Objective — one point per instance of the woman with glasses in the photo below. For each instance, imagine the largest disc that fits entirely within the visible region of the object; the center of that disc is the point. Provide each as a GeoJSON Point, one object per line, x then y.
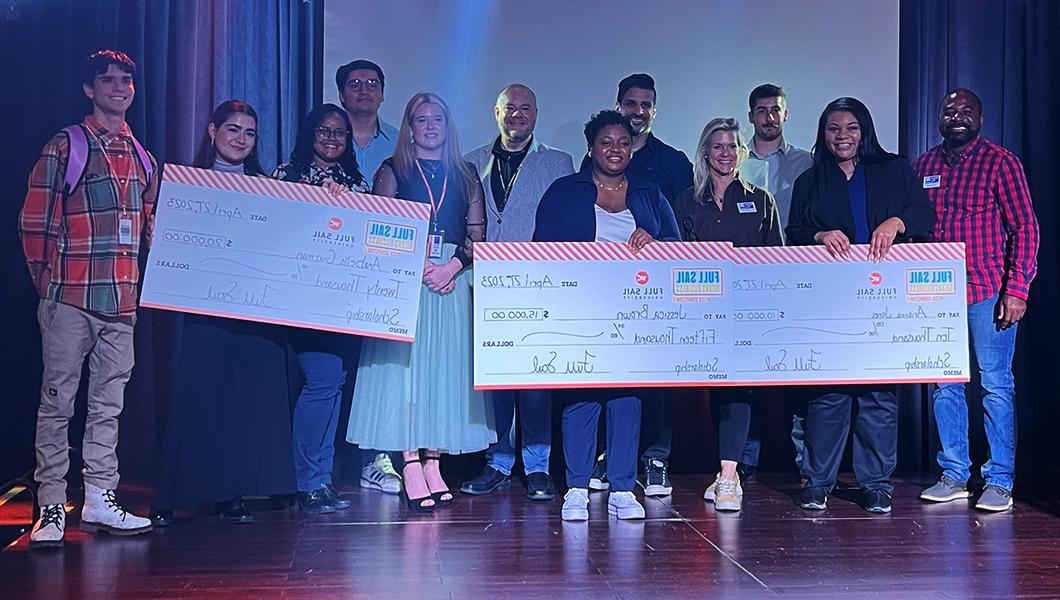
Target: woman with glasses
{"type": "Point", "coordinates": [418, 398]}
{"type": "Point", "coordinates": [323, 156]}
{"type": "Point", "coordinates": [228, 425]}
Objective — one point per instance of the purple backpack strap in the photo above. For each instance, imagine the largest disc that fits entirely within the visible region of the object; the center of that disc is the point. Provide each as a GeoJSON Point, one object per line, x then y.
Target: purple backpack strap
{"type": "Point", "coordinates": [77, 159]}
{"type": "Point", "coordinates": [145, 160]}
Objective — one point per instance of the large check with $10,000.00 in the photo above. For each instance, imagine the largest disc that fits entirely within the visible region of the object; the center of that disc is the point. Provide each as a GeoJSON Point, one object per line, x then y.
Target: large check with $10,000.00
{"type": "Point", "coordinates": [257, 249]}
{"type": "Point", "coordinates": [555, 315]}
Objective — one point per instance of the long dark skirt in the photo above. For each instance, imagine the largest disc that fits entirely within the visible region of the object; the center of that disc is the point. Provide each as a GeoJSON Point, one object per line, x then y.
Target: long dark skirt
{"type": "Point", "coordinates": [228, 432]}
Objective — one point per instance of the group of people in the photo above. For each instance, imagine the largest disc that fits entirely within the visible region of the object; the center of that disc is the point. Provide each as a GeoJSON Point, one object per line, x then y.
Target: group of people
{"type": "Point", "coordinates": [231, 431]}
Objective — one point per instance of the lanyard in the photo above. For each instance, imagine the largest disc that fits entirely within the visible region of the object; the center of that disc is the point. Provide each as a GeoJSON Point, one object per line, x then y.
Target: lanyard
{"type": "Point", "coordinates": [511, 184]}
{"type": "Point", "coordinates": [123, 182]}
{"type": "Point", "coordinates": [430, 194]}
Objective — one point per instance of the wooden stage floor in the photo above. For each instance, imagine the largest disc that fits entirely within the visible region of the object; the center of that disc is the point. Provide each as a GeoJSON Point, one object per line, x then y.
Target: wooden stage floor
{"type": "Point", "coordinates": [502, 546]}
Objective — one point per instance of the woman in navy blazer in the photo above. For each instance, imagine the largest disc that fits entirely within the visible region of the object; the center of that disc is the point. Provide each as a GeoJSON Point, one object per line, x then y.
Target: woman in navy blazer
{"type": "Point", "coordinates": [855, 193]}
{"type": "Point", "coordinates": [603, 203]}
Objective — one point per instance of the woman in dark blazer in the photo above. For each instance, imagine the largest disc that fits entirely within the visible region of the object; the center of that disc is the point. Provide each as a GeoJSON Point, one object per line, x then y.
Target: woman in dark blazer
{"type": "Point", "coordinates": [855, 193]}
{"type": "Point", "coordinates": [604, 203]}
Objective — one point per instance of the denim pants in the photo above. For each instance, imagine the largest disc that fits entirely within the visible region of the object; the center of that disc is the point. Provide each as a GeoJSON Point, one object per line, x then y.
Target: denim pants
{"type": "Point", "coordinates": [993, 350]}
{"type": "Point", "coordinates": [535, 416]}
{"type": "Point", "coordinates": [316, 413]}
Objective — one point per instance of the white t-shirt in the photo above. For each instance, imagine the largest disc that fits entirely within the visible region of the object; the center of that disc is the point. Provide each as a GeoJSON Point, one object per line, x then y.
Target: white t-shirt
{"type": "Point", "coordinates": [614, 227]}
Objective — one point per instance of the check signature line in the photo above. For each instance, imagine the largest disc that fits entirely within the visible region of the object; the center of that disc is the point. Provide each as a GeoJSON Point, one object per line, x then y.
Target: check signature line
{"type": "Point", "coordinates": [767, 332]}
{"type": "Point", "coordinates": [236, 262]}
{"type": "Point", "coordinates": [560, 333]}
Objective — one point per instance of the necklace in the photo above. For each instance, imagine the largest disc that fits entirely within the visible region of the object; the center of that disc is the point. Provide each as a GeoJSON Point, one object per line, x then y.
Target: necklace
{"type": "Point", "coordinates": [621, 186]}
{"type": "Point", "coordinates": [431, 167]}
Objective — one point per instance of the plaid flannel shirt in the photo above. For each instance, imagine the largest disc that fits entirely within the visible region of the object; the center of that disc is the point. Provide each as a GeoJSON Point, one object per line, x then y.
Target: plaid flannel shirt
{"type": "Point", "coordinates": [72, 243]}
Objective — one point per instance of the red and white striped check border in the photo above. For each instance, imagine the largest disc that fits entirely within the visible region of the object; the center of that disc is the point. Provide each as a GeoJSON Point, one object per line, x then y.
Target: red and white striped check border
{"type": "Point", "coordinates": [266, 186]}
{"type": "Point", "coordinates": [859, 253]}
{"type": "Point", "coordinates": [590, 251]}
{"type": "Point", "coordinates": [617, 251]}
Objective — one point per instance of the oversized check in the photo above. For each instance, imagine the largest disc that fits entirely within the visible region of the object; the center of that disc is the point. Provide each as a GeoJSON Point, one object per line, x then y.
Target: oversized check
{"type": "Point", "coordinates": [257, 249]}
{"type": "Point", "coordinates": [686, 314]}
{"type": "Point", "coordinates": [597, 315]}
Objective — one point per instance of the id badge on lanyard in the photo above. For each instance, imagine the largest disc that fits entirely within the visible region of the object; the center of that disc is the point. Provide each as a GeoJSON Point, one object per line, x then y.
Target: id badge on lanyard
{"type": "Point", "coordinates": [437, 236]}
{"type": "Point", "coordinates": [125, 226]}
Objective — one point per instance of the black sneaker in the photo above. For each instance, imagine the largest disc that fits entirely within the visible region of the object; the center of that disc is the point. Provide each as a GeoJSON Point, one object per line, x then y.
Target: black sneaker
{"type": "Point", "coordinates": [656, 480]}
{"type": "Point", "coordinates": [539, 487]}
{"type": "Point", "coordinates": [813, 498]}
{"type": "Point", "coordinates": [876, 501]}
{"type": "Point", "coordinates": [235, 511]}
{"type": "Point", "coordinates": [598, 478]}
{"type": "Point", "coordinates": [315, 501]}
{"type": "Point", "coordinates": [336, 501]}
{"type": "Point", "coordinates": [746, 472]}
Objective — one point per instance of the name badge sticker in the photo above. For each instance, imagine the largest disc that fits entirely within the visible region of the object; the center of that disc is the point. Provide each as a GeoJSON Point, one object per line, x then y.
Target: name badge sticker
{"type": "Point", "coordinates": [932, 182]}
{"type": "Point", "coordinates": [125, 231]}
{"type": "Point", "coordinates": [745, 207]}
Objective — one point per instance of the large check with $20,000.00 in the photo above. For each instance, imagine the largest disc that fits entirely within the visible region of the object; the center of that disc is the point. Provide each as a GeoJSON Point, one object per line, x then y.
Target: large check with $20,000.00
{"type": "Point", "coordinates": [257, 249]}
{"type": "Point", "coordinates": [557, 315]}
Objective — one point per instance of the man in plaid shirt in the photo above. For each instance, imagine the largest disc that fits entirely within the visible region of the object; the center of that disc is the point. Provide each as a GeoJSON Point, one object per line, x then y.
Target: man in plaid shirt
{"type": "Point", "coordinates": [982, 199]}
{"type": "Point", "coordinates": [82, 247]}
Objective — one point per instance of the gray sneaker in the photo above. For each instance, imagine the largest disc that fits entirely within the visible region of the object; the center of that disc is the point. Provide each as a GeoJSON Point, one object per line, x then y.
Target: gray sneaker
{"type": "Point", "coordinates": [945, 490]}
{"type": "Point", "coordinates": [994, 499]}
{"type": "Point", "coordinates": [729, 494]}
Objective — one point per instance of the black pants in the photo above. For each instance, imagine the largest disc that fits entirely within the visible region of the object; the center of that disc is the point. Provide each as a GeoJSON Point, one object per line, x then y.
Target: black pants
{"type": "Point", "coordinates": [733, 409]}
{"type": "Point", "coordinates": [875, 436]}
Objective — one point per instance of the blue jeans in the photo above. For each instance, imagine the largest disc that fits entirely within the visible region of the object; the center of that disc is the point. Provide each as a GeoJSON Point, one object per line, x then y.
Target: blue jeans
{"type": "Point", "coordinates": [316, 413]}
{"type": "Point", "coordinates": [993, 350]}
{"type": "Point", "coordinates": [581, 415]}
{"type": "Point", "coordinates": [535, 415]}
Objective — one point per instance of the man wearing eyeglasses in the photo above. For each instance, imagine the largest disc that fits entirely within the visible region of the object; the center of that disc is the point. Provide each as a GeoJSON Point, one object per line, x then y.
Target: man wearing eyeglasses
{"type": "Point", "coordinates": [361, 84]}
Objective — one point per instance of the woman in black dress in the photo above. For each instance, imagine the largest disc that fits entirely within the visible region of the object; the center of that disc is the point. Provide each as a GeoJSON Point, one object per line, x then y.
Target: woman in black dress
{"type": "Point", "coordinates": [228, 431]}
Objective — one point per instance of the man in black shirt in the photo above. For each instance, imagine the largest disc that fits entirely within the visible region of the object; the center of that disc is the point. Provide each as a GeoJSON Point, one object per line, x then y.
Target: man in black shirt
{"type": "Point", "coordinates": [653, 159]}
{"type": "Point", "coordinates": [670, 169]}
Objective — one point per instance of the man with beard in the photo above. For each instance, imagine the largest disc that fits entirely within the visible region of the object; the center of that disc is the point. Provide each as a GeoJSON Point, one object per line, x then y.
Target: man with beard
{"type": "Point", "coordinates": [982, 199]}
{"type": "Point", "coordinates": [662, 164]}
{"type": "Point", "coordinates": [515, 170]}
{"type": "Point", "coordinates": [773, 164]}
{"type": "Point", "coordinates": [361, 85]}
{"type": "Point", "coordinates": [670, 169]}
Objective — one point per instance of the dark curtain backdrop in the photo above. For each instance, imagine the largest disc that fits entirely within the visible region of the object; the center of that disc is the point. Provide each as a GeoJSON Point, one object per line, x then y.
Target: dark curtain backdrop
{"type": "Point", "coordinates": [1008, 52]}
{"type": "Point", "coordinates": [191, 55]}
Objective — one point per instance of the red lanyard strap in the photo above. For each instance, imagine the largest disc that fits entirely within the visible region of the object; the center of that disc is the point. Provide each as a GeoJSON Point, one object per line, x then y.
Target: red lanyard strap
{"type": "Point", "coordinates": [430, 194]}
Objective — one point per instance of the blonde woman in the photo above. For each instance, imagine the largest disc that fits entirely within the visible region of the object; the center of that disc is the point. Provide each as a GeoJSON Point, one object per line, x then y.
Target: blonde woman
{"type": "Point", "coordinates": [418, 397]}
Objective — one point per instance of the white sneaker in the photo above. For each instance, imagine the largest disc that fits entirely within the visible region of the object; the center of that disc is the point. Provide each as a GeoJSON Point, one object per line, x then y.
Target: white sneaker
{"type": "Point", "coordinates": [102, 512]}
{"type": "Point", "coordinates": [576, 505]}
{"type": "Point", "coordinates": [624, 505]}
{"type": "Point", "coordinates": [711, 493]}
{"type": "Point", "coordinates": [380, 475]}
{"type": "Point", "coordinates": [49, 528]}
{"type": "Point", "coordinates": [729, 493]}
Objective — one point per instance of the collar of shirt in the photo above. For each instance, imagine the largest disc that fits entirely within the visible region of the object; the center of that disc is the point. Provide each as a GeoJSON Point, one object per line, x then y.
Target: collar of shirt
{"type": "Point", "coordinates": [102, 133]}
{"type": "Point", "coordinates": [782, 149]}
{"type": "Point", "coordinates": [499, 151]}
{"type": "Point", "coordinates": [969, 151]}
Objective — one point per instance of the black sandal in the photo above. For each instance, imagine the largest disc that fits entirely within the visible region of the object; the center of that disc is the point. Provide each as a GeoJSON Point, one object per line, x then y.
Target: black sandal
{"type": "Point", "coordinates": [417, 504]}
{"type": "Point", "coordinates": [439, 497]}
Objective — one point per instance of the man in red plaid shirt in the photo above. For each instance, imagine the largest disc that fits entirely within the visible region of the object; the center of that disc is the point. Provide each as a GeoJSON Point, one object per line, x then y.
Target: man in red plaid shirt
{"type": "Point", "coordinates": [82, 245]}
{"type": "Point", "coordinates": [982, 199]}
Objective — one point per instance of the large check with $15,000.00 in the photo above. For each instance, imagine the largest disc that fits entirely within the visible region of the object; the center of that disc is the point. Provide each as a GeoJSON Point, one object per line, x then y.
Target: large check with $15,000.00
{"type": "Point", "coordinates": [257, 249]}
{"type": "Point", "coordinates": [555, 315]}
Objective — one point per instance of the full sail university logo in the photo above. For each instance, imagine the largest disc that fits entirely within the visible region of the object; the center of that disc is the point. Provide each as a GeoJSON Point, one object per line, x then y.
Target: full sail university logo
{"type": "Point", "coordinates": [697, 282]}
{"type": "Point", "coordinates": [390, 236]}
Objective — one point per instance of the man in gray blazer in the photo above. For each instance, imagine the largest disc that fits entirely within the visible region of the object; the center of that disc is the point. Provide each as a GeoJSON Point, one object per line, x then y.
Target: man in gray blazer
{"type": "Point", "coordinates": [515, 170]}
